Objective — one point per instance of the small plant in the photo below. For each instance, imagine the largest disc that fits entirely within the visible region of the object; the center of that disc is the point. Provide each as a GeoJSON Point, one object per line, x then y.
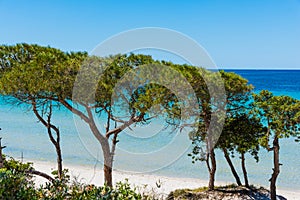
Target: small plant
{"type": "Point", "coordinates": [124, 191]}
{"type": "Point", "coordinates": [63, 189]}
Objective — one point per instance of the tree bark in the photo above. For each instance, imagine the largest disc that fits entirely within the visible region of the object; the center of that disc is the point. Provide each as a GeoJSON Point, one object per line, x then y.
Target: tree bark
{"type": "Point", "coordinates": [235, 174]}
{"type": "Point", "coordinates": [276, 169]}
{"type": "Point", "coordinates": [212, 171]}
{"type": "Point", "coordinates": [59, 160]}
{"type": "Point", "coordinates": [244, 170]}
{"type": "Point", "coordinates": [108, 164]}
{"type": "Point", "coordinates": [107, 156]}
{"type": "Point", "coordinates": [108, 175]}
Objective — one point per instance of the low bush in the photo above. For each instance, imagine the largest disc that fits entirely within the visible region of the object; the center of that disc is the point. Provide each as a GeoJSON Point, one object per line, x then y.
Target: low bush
{"type": "Point", "coordinates": [16, 183]}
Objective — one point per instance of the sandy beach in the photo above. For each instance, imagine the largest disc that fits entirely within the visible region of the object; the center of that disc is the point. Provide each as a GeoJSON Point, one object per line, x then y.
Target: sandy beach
{"type": "Point", "coordinates": [145, 182]}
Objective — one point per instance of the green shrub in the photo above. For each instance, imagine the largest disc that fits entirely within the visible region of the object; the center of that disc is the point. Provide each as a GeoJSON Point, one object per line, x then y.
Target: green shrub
{"type": "Point", "coordinates": [15, 165]}
{"type": "Point", "coordinates": [124, 191]}
{"type": "Point", "coordinates": [62, 189]}
{"type": "Point", "coordinates": [14, 183]}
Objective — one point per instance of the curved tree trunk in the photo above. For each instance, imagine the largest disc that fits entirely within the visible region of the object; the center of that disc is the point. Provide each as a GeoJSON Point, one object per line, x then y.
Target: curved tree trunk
{"type": "Point", "coordinates": [244, 170]}
{"type": "Point", "coordinates": [56, 143]}
{"type": "Point", "coordinates": [276, 169]}
{"type": "Point", "coordinates": [50, 127]}
{"type": "Point", "coordinates": [212, 170]}
{"type": "Point", "coordinates": [235, 174]}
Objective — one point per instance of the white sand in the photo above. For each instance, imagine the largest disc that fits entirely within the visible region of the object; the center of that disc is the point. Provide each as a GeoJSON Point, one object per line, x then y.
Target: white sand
{"type": "Point", "coordinates": [145, 182]}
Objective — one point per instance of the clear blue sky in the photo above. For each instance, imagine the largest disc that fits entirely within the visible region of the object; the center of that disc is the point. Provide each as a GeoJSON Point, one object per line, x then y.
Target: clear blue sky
{"type": "Point", "coordinates": [236, 33]}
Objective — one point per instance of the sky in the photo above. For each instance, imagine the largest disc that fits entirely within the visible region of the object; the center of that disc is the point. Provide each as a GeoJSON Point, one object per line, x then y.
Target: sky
{"type": "Point", "coordinates": [237, 34]}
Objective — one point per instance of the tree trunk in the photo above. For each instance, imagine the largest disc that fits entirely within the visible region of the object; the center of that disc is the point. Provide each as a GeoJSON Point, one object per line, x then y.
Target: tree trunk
{"type": "Point", "coordinates": [108, 175]}
{"type": "Point", "coordinates": [108, 163]}
{"type": "Point", "coordinates": [107, 168]}
{"type": "Point", "coordinates": [276, 169]}
{"type": "Point", "coordinates": [107, 155]}
{"type": "Point", "coordinates": [59, 160]}
{"type": "Point", "coordinates": [244, 170]}
{"type": "Point", "coordinates": [50, 127]}
{"type": "Point", "coordinates": [212, 171]}
{"type": "Point", "coordinates": [56, 143]}
{"type": "Point", "coordinates": [235, 174]}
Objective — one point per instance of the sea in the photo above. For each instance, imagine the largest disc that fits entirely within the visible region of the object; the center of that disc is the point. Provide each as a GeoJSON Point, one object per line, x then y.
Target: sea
{"type": "Point", "coordinates": [145, 148]}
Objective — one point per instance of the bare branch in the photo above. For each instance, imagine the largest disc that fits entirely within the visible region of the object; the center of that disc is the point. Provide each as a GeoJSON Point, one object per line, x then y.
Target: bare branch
{"type": "Point", "coordinates": [41, 174]}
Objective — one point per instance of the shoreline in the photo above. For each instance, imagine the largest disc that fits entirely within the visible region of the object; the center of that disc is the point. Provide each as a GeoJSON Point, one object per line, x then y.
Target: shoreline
{"type": "Point", "coordinates": [161, 185]}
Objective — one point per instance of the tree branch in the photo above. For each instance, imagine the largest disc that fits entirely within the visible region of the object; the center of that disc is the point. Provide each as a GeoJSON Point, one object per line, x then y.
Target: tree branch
{"type": "Point", "coordinates": [41, 174]}
{"type": "Point", "coordinates": [125, 125]}
{"type": "Point", "coordinates": [46, 124]}
{"type": "Point", "coordinates": [93, 126]}
{"type": "Point", "coordinates": [75, 111]}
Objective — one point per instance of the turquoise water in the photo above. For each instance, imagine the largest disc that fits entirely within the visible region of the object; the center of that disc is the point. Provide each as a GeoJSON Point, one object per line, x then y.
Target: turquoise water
{"type": "Point", "coordinates": [22, 134]}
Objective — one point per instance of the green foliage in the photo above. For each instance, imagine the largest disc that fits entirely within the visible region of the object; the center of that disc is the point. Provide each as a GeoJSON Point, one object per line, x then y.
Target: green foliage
{"type": "Point", "coordinates": [124, 191]}
{"type": "Point", "coordinates": [16, 166]}
{"type": "Point", "coordinates": [280, 114]}
{"type": "Point", "coordinates": [34, 71]}
{"type": "Point", "coordinates": [44, 74]}
{"type": "Point", "coordinates": [242, 133]}
{"type": "Point", "coordinates": [238, 93]}
{"type": "Point", "coordinates": [16, 185]}
{"type": "Point", "coordinates": [63, 189]}
{"type": "Point", "coordinates": [14, 182]}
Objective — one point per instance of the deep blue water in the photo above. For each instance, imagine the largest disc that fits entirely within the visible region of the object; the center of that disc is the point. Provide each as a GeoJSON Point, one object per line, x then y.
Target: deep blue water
{"type": "Point", "coordinates": [22, 133]}
{"type": "Point", "coordinates": [280, 82]}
